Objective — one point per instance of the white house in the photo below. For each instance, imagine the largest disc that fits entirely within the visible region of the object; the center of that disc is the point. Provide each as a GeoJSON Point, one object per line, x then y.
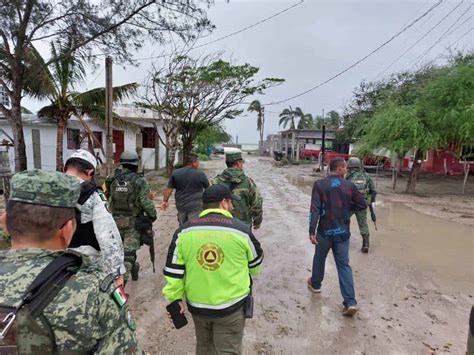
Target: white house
{"type": "Point", "coordinates": [40, 138]}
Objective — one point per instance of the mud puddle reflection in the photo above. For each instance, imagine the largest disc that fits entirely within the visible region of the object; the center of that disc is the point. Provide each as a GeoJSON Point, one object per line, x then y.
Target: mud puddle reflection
{"type": "Point", "coordinates": [439, 247]}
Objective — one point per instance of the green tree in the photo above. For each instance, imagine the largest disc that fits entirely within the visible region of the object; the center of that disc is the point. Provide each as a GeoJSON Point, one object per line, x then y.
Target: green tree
{"type": "Point", "coordinates": [333, 120]}
{"type": "Point", "coordinates": [287, 116]}
{"type": "Point", "coordinates": [256, 106]}
{"type": "Point", "coordinates": [117, 27]}
{"type": "Point", "coordinates": [305, 119]}
{"type": "Point", "coordinates": [210, 136]}
{"type": "Point", "coordinates": [57, 85]}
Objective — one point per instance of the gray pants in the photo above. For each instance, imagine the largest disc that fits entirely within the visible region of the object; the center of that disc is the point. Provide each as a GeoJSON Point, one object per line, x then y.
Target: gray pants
{"type": "Point", "coordinates": [183, 217]}
{"type": "Point", "coordinates": [219, 335]}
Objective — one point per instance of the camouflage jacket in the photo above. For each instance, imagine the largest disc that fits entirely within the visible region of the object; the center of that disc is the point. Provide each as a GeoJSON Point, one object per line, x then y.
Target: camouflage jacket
{"type": "Point", "coordinates": [96, 209]}
{"type": "Point", "coordinates": [83, 317]}
{"type": "Point", "coordinates": [363, 182]}
{"type": "Point", "coordinates": [142, 202]}
{"type": "Point", "coordinates": [249, 208]}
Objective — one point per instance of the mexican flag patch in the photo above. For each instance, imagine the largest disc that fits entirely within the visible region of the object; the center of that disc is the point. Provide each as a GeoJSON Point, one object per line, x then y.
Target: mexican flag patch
{"type": "Point", "coordinates": [119, 296]}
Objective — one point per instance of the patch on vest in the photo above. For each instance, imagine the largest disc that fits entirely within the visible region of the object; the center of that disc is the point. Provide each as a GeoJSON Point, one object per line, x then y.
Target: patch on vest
{"type": "Point", "coordinates": [210, 256]}
{"type": "Point", "coordinates": [129, 318]}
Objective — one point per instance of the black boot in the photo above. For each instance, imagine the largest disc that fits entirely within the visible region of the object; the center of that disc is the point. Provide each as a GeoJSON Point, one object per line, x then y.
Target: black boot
{"type": "Point", "coordinates": [365, 244]}
{"type": "Point", "coordinates": [134, 271]}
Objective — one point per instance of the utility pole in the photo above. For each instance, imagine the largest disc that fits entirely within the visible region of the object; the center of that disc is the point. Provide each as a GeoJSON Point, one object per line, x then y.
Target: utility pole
{"type": "Point", "coordinates": [109, 154]}
{"type": "Point", "coordinates": [323, 144]}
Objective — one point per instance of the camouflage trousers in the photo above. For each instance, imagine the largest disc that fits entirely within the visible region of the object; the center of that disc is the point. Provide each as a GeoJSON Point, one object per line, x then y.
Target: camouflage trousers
{"type": "Point", "coordinates": [131, 243]}
{"type": "Point", "coordinates": [361, 217]}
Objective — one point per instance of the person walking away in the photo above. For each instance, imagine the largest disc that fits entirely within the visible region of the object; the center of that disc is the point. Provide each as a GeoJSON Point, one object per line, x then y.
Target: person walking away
{"type": "Point", "coordinates": [129, 197]}
{"type": "Point", "coordinates": [333, 200]}
{"type": "Point", "coordinates": [189, 183]}
{"type": "Point", "coordinates": [55, 301]}
{"type": "Point", "coordinates": [96, 235]}
{"type": "Point", "coordinates": [366, 187]}
{"type": "Point", "coordinates": [249, 208]}
{"type": "Point", "coordinates": [209, 262]}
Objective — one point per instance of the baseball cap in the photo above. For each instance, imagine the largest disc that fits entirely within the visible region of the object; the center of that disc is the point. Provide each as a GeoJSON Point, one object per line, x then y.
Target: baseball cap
{"type": "Point", "coordinates": [85, 156]}
{"type": "Point", "coordinates": [217, 193]}
{"type": "Point", "coordinates": [47, 188]}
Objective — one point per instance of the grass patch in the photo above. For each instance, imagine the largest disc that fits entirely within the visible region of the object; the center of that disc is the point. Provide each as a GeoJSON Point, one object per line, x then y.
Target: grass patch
{"type": "Point", "coordinates": [4, 240]}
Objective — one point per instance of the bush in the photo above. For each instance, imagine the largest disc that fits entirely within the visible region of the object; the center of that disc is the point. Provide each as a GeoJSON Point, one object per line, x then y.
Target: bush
{"type": "Point", "coordinates": [203, 157]}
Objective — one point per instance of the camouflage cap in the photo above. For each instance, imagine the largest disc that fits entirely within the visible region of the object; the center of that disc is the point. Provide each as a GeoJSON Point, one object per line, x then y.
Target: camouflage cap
{"type": "Point", "coordinates": [48, 188]}
{"type": "Point", "coordinates": [231, 158]}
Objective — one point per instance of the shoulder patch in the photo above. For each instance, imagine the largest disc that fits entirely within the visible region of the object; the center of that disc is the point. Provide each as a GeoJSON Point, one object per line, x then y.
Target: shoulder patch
{"type": "Point", "coordinates": [119, 296]}
{"type": "Point", "coordinates": [106, 282]}
{"type": "Point", "coordinates": [102, 196]}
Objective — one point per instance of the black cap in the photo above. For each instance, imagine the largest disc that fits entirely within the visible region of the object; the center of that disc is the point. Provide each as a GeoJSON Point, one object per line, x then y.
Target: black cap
{"type": "Point", "coordinates": [217, 193]}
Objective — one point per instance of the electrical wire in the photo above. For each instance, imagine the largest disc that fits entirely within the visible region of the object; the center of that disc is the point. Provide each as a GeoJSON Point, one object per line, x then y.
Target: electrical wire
{"type": "Point", "coordinates": [96, 77]}
{"type": "Point", "coordinates": [419, 58]}
{"type": "Point", "coordinates": [418, 41]}
{"type": "Point", "coordinates": [404, 29]}
{"type": "Point", "coordinates": [230, 34]}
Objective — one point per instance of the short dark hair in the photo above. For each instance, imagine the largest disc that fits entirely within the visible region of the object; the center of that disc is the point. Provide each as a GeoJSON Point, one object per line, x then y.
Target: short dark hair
{"type": "Point", "coordinates": [36, 222]}
{"type": "Point", "coordinates": [231, 165]}
{"type": "Point", "coordinates": [336, 163]}
{"type": "Point", "coordinates": [210, 205]}
{"type": "Point", "coordinates": [79, 164]}
{"type": "Point", "coordinates": [131, 167]}
{"type": "Point", "coordinates": [192, 158]}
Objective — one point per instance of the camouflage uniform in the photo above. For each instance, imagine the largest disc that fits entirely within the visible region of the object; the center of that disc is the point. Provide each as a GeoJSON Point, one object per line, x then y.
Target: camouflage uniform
{"type": "Point", "coordinates": [249, 208]}
{"type": "Point", "coordinates": [82, 317]}
{"type": "Point", "coordinates": [110, 257]}
{"type": "Point", "coordinates": [125, 219]}
{"type": "Point", "coordinates": [366, 187]}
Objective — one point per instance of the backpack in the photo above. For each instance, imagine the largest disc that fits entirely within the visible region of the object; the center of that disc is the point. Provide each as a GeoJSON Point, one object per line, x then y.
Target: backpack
{"type": "Point", "coordinates": [23, 327]}
{"type": "Point", "coordinates": [123, 193]}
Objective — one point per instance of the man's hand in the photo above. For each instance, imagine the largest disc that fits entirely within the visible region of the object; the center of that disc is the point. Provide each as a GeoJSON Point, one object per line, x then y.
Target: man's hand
{"type": "Point", "coordinates": [164, 205]}
{"type": "Point", "coordinates": [182, 309]}
{"type": "Point", "coordinates": [312, 238]}
{"type": "Point", "coordinates": [119, 281]}
{"type": "Point", "coordinates": [151, 195]}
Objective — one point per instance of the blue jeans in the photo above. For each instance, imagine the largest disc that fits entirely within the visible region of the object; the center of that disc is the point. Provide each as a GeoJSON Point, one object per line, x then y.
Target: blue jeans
{"type": "Point", "coordinates": [340, 250]}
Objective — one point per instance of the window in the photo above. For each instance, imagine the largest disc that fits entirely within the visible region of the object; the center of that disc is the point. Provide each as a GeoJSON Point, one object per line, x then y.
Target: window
{"type": "Point", "coordinates": [98, 136]}
{"type": "Point", "coordinates": [73, 138]}
{"type": "Point", "coordinates": [4, 99]}
{"type": "Point", "coordinates": [148, 137]}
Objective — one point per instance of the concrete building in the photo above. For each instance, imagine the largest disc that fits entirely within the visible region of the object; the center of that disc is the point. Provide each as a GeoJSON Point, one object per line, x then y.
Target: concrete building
{"type": "Point", "coordinates": [40, 138]}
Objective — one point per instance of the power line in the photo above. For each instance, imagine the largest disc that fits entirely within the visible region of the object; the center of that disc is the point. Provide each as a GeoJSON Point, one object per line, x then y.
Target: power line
{"type": "Point", "coordinates": [442, 36]}
{"type": "Point", "coordinates": [97, 76]}
{"type": "Point", "coordinates": [464, 35]}
{"type": "Point", "coordinates": [230, 34]}
{"type": "Point", "coordinates": [360, 60]}
{"type": "Point", "coordinates": [458, 26]}
{"type": "Point", "coordinates": [418, 41]}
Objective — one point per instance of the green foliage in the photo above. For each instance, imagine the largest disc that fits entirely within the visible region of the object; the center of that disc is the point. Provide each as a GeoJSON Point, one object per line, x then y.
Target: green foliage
{"type": "Point", "coordinates": [210, 136]}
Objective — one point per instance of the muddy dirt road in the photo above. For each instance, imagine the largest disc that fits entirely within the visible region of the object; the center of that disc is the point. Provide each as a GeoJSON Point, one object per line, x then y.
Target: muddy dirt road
{"type": "Point", "coordinates": [414, 289]}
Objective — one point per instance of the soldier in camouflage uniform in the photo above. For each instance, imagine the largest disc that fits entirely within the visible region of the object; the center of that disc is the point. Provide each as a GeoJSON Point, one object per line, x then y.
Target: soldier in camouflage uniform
{"type": "Point", "coordinates": [366, 187]}
{"type": "Point", "coordinates": [81, 317]}
{"type": "Point", "coordinates": [249, 208]}
{"type": "Point", "coordinates": [129, 197]}
{"type": "Point", "coordinates": [96, 235]}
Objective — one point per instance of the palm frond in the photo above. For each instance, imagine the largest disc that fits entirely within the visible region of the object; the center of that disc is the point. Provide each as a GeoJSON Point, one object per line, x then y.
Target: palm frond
{"type": "Point", "coordinates": [96, 97]}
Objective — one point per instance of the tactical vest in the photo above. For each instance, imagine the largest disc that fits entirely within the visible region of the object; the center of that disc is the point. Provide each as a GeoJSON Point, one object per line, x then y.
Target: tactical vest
{"type": "Point", "coordinates": [85, 234]}
{"type": "Point", "coordinates": [23, 327]}
{"type": "Point", "coordinates": [360, 181]}
{"type": "Point", "coordinates": [123, 194]}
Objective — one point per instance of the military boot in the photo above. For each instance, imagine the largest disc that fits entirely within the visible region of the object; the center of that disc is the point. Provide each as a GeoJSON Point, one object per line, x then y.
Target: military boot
{"type": "Point", "coordinates": [134, 271]}
{"type": "Point", "coordinates": [365, 244]}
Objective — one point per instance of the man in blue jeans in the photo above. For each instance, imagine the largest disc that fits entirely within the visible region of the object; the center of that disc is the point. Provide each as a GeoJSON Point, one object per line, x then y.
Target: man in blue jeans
{"type": "Point", "coordinates": [333, 201]}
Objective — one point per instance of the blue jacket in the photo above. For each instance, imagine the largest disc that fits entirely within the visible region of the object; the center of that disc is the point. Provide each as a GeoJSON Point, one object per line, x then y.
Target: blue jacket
{"type": "Point", "coordinates": [333, 201]}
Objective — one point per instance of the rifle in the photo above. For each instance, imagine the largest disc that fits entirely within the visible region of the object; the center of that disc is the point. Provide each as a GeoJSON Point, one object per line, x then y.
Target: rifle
{"type": "Point", "coordinates": [144, 227]}
{"type": "Point", "coordinates": [372, 215]}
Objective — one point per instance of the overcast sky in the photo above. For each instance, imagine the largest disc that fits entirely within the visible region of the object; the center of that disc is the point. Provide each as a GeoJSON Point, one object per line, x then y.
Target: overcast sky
{"type": "Point", "coordinates": [312, 42]}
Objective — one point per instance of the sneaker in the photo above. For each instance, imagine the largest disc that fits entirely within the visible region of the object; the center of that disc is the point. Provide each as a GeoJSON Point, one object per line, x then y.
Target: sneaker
{"type": "Point", "coordinates": [349, 311]}
{"type": "Point", "coordinates": [311, 288]}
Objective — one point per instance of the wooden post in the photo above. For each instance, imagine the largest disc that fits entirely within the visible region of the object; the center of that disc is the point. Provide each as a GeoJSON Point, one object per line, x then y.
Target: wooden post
{"type": "Point", "coordinates": [109, 154]}
{"type": "Point", "coordinates": [36, 141]}
{"type": "Point", "coordinates": [157, 147]}
{"type": "Point", "coordinates": [292, 145]}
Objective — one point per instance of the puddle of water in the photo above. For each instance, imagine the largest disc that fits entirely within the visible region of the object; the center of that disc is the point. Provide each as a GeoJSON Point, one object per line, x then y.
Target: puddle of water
{"type": "Point", "coordinates": [442, 248]}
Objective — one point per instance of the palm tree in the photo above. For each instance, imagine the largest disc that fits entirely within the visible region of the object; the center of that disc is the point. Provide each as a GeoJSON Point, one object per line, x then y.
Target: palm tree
{"type": "Point", "coordinates": [306, 119]}
{"type": "Point", "coordinates": [58, 86]}
{"type": "Point", "coordinates": [333, 119]}
{"type": "Point", "coordinates": [256, 106]}
{"type": "Point", "coordinates": [287, 116]}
